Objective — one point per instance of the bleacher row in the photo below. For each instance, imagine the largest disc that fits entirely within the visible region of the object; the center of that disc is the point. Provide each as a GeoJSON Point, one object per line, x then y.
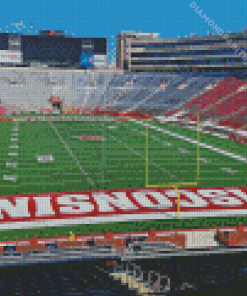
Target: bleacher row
{"type": "Point", "coordinates": [201, 273]}
{"type": "Point", "coordinates": [217, 98]}
{"type": "Point", "coordinates": [225, 103]}
{"type": "Point", "coordinates": [109, 239]}
{"type": "Point", "coordinates": [62, 279]}
{"type": "Point", "coordinates": [91, 277]}
{"type": "Point", "coordinates": [222, 100]}
{"type": "Point", "coordinates": [30, 90]}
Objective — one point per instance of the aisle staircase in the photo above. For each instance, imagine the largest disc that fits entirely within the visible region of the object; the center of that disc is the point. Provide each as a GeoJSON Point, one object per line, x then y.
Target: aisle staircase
{"type": "Point", "coordinates": [133, 276]}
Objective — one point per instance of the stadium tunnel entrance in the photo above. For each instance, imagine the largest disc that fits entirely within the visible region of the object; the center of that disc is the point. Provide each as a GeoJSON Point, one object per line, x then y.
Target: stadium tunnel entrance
{"type": "Point", "coordinates": [56, 104]}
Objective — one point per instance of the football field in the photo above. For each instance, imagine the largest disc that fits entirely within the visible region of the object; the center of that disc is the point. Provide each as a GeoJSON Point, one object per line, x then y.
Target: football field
{"type": "Point", "coordinates": [100, 153]}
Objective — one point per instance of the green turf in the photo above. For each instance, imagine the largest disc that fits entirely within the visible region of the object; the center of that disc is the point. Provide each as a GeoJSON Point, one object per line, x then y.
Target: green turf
{"type": "Point", "coordinates": [119, 227]}
{"type": "Point", "coordinates": [117, 163]}
{"type": "Point", "coordinates": [225, 144]}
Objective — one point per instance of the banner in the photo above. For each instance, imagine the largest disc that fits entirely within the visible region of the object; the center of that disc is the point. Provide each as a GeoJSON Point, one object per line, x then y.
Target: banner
{"type": "Point", "coordinates": [55, 99]}
{"type": "Point", "coordinates": [54, 209]}
{"type": "Point", "coordinates": [87, 60]}
{"type": "Point", "coordinates": [99, 61]}
{"type": "Point", "coordinates": [11, 56]}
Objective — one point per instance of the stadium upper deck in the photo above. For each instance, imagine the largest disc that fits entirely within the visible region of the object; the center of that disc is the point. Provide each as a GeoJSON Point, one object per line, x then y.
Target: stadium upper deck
{"type": "Point", "coordinates": [138, 52]}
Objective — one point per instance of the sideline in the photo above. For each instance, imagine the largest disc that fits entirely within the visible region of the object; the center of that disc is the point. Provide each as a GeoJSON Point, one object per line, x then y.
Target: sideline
{"type": "Point", "coordinates": [91, 182]}
{"type": "Point", "coordinates": [203, 145]}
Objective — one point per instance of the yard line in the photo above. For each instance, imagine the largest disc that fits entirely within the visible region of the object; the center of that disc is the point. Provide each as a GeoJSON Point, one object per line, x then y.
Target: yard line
{"type": "Point", "coordinates": [11, 164]}
{"type": "Point", "coordinates": [13, 154]}
{"type": "Point", "coordinates": [205, 160]}
{"type": "Point", "coordinates": [183, 150]}
{"type": "Point", "coordinates": [203, 145]}
{"type": "Point", "coordinates": [91, 182]}
{"type": "Point", "coordinates": [229, 170]}
{"type": "Point", "coordinates": [162, 143]}
{"type": "Point", "coordinates": [164, 171]}
{"type": "Point", "coordinates": [10, 178]}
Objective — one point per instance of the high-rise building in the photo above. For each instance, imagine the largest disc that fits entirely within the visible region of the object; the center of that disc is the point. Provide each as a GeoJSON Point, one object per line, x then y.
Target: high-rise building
{"type": "Point", "coordinates": [212, 53]}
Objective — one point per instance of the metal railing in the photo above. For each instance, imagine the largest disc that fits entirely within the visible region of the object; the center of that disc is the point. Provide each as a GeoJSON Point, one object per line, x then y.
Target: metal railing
{"type": "Point", "coordinates": [155, 282]}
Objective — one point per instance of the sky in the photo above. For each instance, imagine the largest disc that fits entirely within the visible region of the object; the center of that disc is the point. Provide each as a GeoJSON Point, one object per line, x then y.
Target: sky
{"type": "Point", "coordinates": [106, 18]}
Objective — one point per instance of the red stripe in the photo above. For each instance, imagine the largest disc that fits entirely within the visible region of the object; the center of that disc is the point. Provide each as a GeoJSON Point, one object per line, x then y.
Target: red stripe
{"type": "Point", "coordinates": [86, 199]}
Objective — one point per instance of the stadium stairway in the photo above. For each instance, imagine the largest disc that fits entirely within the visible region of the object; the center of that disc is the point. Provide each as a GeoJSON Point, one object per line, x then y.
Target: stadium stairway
{"type": "Point", "coordinates": [132, 283]}
{"type": "Point", "coordinates": [199, 272]}
{"type": "Point", "coordinates": [61, 279]}
{"type": "Point", "coordinates": [131, 274]}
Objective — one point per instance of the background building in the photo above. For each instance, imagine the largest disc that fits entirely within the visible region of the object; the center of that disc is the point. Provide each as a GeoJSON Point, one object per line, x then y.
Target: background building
{"type": "Point", "coordinates": [52, 49]}
{"type": "Point", "coordinates": [10, 49]}
{"type": "Point", "coordinates": [204, 53]}
{"type": "Point", "coordinates": [122, 39]}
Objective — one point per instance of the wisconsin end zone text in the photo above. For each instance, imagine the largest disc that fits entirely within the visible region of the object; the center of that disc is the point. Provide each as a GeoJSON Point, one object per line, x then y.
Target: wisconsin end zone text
{"type": "Point", "coordinates": [97, 207]}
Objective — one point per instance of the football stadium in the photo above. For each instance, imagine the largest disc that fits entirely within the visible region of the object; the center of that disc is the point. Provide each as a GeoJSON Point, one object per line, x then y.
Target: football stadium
{"type": "Point", "coordinates": [123, 154]}
{"type": "Point", "coordinates": [114, 166]}
{"type": "Point", "coordinates": [95, 132]}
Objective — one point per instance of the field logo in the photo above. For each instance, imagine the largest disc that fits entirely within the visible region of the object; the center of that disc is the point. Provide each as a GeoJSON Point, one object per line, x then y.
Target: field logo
{"type": "Point", "coordinates": [114, 205]}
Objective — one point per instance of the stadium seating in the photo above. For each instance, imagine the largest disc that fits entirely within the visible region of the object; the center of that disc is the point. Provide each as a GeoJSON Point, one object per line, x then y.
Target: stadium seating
{"type": "Point", "coordinates": [227, 98]}
{"type": "Point", "coordinates": [223, 88]}
{"type": "Point", "coordinates": [215, 98]}
{"type": "Point", "coordinates": [83, 278]}
{"type": "Point", "coordinates": [119, 90]}
{"type": "Point", "coordinates": [199, 271]}
{"type": "Point", "coordinates": [241, 116]}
